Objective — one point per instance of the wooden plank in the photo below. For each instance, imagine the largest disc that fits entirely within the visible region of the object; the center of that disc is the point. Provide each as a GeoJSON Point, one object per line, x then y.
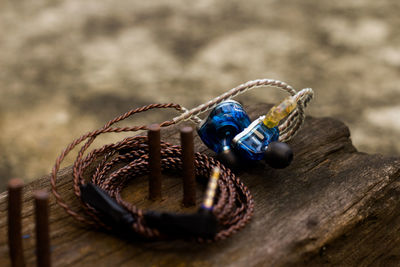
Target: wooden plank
{"type": "Point", "coordinates": [330, 206]}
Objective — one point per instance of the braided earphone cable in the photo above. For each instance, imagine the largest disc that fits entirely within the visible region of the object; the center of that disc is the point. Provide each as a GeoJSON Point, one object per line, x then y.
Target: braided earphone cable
{"type": "Point", "coordinates": [234, 206]}
{"type": "Point", "coordinates": [288, 129]}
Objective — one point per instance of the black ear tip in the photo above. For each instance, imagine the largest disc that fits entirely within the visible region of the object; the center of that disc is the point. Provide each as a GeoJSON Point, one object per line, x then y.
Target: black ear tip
{"type": "Point", "coordinates": [278, 155]}
{"type": "Point", "coordinates": [229, 159]}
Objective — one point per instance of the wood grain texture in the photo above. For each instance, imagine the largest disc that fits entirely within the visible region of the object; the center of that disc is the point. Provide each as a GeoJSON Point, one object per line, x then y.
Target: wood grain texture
{"type": "Point", "coordinates": [333, 205]}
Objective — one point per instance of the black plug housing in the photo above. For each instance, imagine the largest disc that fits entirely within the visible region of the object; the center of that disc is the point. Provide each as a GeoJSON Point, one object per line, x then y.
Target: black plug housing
{"type": "Point", "coordinates": [203, 223]}
{"type": "Point", "coordinates": [114, 214]}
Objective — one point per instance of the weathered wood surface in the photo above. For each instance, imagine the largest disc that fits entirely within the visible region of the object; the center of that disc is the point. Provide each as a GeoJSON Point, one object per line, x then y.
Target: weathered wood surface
{"type": "Point", "coordinates": [333, 205]}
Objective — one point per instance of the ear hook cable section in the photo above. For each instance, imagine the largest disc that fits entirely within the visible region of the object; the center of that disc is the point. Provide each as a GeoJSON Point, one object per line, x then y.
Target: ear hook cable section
{"type": "Point", "coordinates": [234, 204]}
{"type": "Point", "coordinates": [287, 129]}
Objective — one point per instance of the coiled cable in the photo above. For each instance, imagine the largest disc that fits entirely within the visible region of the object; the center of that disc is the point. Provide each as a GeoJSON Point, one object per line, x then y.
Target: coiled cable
{"type": "Point", "coordinates": [234, 203]}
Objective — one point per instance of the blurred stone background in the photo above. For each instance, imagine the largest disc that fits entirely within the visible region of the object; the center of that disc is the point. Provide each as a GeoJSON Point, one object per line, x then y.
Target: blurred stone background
{"type": "Point", "coordinates": [67, 67]}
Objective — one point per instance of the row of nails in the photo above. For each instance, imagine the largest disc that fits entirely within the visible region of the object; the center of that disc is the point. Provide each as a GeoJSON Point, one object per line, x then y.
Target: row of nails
{"type": "Point", "coordinates": [155, 181]}
{"type": "Point", "coordinates": [15, 187]}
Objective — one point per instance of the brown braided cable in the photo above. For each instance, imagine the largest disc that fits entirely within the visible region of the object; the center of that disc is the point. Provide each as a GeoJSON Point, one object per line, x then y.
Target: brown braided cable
{"type": "Point", "coordinates": [234, 205]}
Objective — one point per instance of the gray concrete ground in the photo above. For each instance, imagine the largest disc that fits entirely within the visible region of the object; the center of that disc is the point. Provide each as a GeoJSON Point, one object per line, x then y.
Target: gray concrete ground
{"type": "Point", "coordinates": [68, 66]}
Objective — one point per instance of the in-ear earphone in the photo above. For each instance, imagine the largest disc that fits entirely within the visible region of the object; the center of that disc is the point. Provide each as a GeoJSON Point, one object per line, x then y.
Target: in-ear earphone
{"type": "Point", "coordinates": [227, 131]}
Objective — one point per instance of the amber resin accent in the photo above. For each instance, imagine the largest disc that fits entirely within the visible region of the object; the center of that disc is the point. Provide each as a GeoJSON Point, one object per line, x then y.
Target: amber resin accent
{"type": "Point", "coordinates": [280, 111]}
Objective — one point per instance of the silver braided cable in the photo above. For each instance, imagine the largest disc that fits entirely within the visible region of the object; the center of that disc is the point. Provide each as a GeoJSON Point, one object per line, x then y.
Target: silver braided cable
{"type": "Point", "coordinates": [295, 120]}
{"type": "Point", "coordinates": [193, 118]}
{"type": "Point", "coordinates": [232, 93]}
{"type": "Point", "coordinates": [287, 129]}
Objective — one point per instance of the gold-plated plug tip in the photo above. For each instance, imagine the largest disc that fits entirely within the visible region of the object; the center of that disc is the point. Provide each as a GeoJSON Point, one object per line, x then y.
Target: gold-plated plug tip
{"type": "Point", "coordinates": [211, 188]}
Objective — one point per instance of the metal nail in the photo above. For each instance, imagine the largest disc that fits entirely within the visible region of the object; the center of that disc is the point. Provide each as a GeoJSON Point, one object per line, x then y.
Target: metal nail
{"type": "Point", "coordinates": [154, 139]}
